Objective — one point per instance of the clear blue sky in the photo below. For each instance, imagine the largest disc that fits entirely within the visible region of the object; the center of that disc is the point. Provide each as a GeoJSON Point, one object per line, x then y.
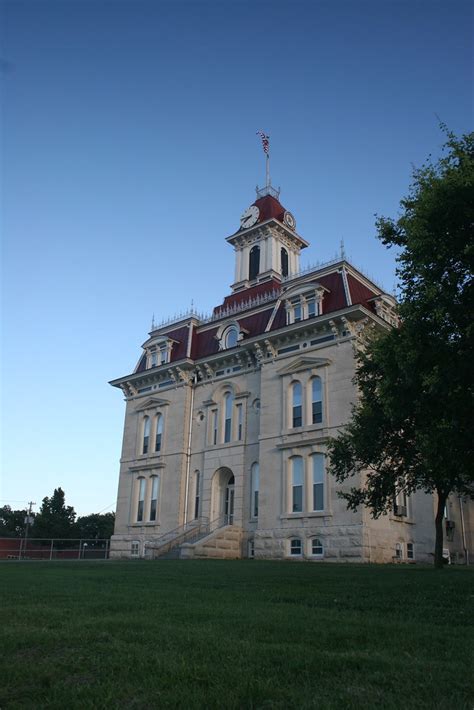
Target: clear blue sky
{"type": "Point", "coordinates": [129, 153]}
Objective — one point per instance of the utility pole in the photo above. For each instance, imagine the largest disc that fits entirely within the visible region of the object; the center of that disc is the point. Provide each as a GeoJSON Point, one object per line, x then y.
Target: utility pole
{"type": "Point", "coordinates": [28, 522]}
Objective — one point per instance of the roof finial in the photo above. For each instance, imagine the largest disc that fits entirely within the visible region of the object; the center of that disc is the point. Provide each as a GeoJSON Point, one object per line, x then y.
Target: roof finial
{"type": "Point", "coordinates": [153, 326]}
{"type": "Point", "coordinates": [343, 251]}
{"type": "Point", "coordinates": [268, 189]}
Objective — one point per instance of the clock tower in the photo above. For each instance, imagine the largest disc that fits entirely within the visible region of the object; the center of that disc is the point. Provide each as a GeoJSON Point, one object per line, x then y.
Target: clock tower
{"type": "Point", "coordinates": [267, 246]}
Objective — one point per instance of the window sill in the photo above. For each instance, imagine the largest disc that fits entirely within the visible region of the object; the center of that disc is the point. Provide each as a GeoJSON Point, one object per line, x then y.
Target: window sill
{"type": "Point", "coordinates": [314, 514]}
{"type": "Point", "coordinates": [144, 525]}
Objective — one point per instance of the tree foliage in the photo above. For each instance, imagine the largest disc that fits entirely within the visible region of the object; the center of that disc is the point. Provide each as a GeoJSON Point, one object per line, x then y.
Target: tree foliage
{"type": "Point", "coordinates": [55, 519]}
{"type": "Point", "coordinates": [412, 426]}
{"type": "Point", "coordinates": [95, 526]}
{"type": "Point", "coordinates": [12, 522]}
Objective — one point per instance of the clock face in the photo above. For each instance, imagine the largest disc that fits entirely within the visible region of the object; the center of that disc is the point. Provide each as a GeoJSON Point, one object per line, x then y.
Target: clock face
{"type": "Point", "coordinates": [289, 220]}
{"type": "Point", "coordinates": [249, 217]}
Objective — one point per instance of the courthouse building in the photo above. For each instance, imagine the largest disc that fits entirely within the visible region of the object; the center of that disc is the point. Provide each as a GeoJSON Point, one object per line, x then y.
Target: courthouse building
{"type": "Point", "coordinates": [228, 417]}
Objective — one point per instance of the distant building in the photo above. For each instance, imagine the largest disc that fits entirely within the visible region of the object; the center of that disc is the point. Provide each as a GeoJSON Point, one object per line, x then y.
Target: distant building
{"type": "Point", "coordinates": [227, 417]}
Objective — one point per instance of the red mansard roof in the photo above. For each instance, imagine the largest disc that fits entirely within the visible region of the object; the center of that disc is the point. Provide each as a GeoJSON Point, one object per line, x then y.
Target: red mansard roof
{"type": "Point", "coordinates": [205, 343]}
{"type": "Point", "coordinates": [359, 292]}
{"type": "Point", "coordinates": [249, 293]}
{"type": "Point", "coordinates": [269, 208]}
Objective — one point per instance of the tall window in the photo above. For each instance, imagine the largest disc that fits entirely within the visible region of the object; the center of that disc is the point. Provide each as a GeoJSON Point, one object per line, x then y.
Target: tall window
{"type": "Point", "coordinates": [311, 303]}
{"type": "Point", "coordinates": [254, 262]}
{"type": "Point", "coordinates": [154, 359]}
{"type": "Point", "coordinates": [255, 475]}
{"type": "Point", "coordinates": [159, 432]}
{"type": "Point", "coordinates": [155, 489]}
{"type": "Point", "coordinates": [317, 400]}
{"type": "Point", "coordinates": [318, 481]}
{"type": "Point", "coordinates": [239, 422]}
{"type": "Point", "coordinates": [297, 485]}
{"type": "Point", "coordinates": [228, 404]}
{"type": "Point", "coordinates": [410, 551]}
{"type": "Point", "coordinates": [297, 409]}
{"type": "Point", "coordinates": [197, 493]}
{"type": "Point", "coordinates": [284, 262]}
{"type": "Point", "coordinates": [141, 500]}
{"type": "Point", "coordinates": [146, 435]}
{"type": "Point", "coordinates": [215, 420]}
{"type": "Point", "coordinates": [297, 312]}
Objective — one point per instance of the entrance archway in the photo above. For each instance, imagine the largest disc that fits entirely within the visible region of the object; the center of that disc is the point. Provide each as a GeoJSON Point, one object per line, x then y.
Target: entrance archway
{"type": "Point", "coordinates": [223, 497]}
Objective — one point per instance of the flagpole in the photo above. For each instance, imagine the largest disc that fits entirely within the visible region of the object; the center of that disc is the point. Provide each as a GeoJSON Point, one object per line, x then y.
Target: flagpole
{"type": "Point", "coordinates": [268, 170]}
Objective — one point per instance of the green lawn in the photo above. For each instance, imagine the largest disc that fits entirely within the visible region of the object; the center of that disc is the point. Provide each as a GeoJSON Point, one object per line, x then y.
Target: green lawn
{"type": "Point", "coordinates": [243, 634]}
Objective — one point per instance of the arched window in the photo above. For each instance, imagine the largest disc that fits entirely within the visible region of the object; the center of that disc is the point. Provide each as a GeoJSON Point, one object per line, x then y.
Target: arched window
{"type": "Point", "coordinates": [284, 262]}
{"type": "Point", "coordinates": [318, 482]}
{"type": "Point", "coordinates": [296, 405]}
{"type": "Point", "coordinates": [254, 262]}
{"type": "Point", "coordinates": [155, 491]}
{"type": "Point", "coordinates": [231, 336]}
{"type": "Point", "coordinates": [297, 484]}
{"type": "Point", "coordinates": [159, 432]}
{"type": "Point", "coordinates": [255, 475]}
{"type": "Point", "coordinates": [228, 405]}
{"type": "Point", "coordinates": [146, 435]}
{"type": "Point", "coordinates": [197, 493]}
{"type": "Point", "coordinates": [296, 546]}
{"type": "Point", "coordinates": [317, 548]}
{"type": "Point", "coordinates": [316, 400]}
{"type": "Point", "coordinates": [141, 500]}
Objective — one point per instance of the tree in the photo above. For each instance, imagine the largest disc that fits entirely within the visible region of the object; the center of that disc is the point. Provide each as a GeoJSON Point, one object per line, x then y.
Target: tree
{"type": "Point", "coordinates": [55, 519]}
{"type": "Point", "coordinates": [12, 522]}
{"type": "Point", "coordinates": [95, 526]}
{"type": "Point", "coordinates": [412, 426]}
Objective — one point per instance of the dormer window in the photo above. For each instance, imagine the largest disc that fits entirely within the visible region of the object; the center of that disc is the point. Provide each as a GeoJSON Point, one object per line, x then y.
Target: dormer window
{"type": "Point", "coordinates": [229, 335]}
{"type": "Point", "coordinates": [158, 351]}
{"type": "Point", "coordinates": [306, 303]}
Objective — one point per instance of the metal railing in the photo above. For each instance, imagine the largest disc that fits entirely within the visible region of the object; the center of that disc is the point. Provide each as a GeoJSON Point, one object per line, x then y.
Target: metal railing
{"type": "Point", "coordinates": [15, 548]}
{"type": "Point", "coordinates": [190, 532]}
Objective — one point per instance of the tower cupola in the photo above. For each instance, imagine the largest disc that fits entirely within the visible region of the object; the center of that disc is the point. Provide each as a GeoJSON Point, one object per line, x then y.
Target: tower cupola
{"type": "Point", "coordinates": [266, 244]}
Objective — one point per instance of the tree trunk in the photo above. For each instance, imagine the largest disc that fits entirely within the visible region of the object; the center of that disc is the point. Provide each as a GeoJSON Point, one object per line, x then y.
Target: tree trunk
{"type": "Point", "coordinates": [438, 555]}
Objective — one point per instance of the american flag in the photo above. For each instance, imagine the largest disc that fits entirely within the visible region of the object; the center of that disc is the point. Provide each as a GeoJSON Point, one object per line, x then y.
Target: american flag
{"type": "Point", "coordinates": [265, 141]}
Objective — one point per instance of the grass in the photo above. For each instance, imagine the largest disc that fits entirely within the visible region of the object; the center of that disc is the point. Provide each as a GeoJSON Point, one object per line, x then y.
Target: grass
{"type": "Point", "coordinates": [243, 634]}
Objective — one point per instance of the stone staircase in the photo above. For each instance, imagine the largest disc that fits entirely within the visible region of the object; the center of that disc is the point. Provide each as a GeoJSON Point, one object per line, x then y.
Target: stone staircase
{"type": "Point", "coordinates": [224, 543]}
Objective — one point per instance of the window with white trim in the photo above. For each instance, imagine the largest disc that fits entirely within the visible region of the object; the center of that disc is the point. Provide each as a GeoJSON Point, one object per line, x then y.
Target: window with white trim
{"type": "Point", "coordinates": [230, 337]}
{"type": "Point", "coordinates": [146, 434]}
{"type": "Point", "coordinates": [135, 548]}
{"type": "Point", "coordinates": [398, 551]}
{"type": "Point", "coordinates": [255, 478]}
{"type": "Point", "coordinates": [239, 422]}
{"type": "Point", "coordinates": [141, 500]}
{"type": "Point", "coordinates": [158, 432]}
{"type": "Point", "coordinates": [317, 547]}
{"type": "Point", "coordinates": [215, 425]}
{"type": "Point", "coordinates": [316, 400]}
{"type": "Point", "coordinates": [318, 481]}
{"type": "Point", "coordinates": [304, 305]}
{"type": "Point", "coordinates": [155, 492]}
{"type": "Point", "coordinates": [296, 548]}
{"type": "Point", "coordinates": [228, 407]}
{"type": "Point", "coordinates": [410, 551]}
{"type": "Point", "coordinates": [197, 493]}
{"type": "Point", "coordinates": [296, 405]}
{"type": "Point", "coordinates": [297, 474]}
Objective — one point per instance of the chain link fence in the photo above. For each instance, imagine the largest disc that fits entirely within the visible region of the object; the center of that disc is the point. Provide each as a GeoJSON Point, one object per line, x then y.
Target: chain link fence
{"type": "Point", "coordinates": [19, 548]}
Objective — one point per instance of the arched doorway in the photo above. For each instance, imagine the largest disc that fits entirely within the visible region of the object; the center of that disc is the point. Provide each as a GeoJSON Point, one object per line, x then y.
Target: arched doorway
{"type": "Point", "coordinates": [223, 497]}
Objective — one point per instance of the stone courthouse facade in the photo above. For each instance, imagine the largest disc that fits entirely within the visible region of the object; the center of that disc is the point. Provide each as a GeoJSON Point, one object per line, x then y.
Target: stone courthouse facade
{"type": "Point", "coordinates": [228, 417]}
